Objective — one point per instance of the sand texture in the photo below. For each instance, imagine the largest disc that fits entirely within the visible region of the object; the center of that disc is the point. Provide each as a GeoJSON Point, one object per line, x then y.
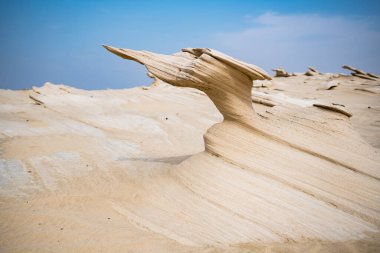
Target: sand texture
{"type": "Point", "coordinates": [214, 156]}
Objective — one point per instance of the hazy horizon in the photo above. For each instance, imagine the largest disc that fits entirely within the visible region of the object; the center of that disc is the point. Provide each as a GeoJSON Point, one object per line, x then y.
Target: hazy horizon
{"type": "Point", "coordinates": [60, 41]}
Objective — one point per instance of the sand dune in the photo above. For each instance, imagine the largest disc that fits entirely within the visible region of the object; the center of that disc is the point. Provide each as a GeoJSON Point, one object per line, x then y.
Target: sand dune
{"type": "Point", "coordinates": [166, 169]}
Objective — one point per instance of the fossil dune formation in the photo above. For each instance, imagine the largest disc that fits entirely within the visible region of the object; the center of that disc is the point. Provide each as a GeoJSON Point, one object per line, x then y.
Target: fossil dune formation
{"type": "Point", "coordinates": [159, 169]}
{"type": "Point", "coordinates": [280, 72]}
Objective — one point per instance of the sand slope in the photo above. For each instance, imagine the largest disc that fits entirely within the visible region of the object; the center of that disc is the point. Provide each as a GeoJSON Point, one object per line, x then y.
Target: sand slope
{"type": "Point", "coordinates": [130, 170]}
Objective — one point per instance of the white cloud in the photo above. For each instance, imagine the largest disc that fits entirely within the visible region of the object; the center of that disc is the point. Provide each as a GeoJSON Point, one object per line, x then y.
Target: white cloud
{"type": "Point", "coordinates": [298, 41]}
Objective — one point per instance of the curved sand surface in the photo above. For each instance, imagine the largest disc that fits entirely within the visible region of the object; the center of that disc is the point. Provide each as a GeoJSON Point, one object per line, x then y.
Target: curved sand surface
{"type": "Point", "coordinates": [121, 170]}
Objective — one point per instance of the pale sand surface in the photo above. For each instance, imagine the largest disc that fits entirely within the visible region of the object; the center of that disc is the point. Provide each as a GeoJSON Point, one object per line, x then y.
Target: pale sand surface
{"type": "Point", "coordinates": [127, 171]}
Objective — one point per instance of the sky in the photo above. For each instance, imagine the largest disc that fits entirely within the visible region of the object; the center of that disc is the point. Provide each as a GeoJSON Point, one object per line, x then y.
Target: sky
{"type": "Point", "coordinates": [60, 41]}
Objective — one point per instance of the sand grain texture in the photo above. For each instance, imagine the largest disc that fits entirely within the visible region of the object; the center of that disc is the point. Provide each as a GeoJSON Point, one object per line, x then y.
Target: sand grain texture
{"type": "Point", "coordinates": [166, 169]}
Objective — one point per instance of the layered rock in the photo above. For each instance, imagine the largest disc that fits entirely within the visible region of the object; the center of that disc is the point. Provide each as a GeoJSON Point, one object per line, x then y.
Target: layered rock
{"type": "Point", "coordinates": [280, 72]}
{"type": "Point", "coordinates": [225, 80]}
{"type": "Point", "coordinates": [311, 72]}
{"type": "Point", "coordinates": [290, 174]}
{"type": "Point", "coordinates": [360, 73]}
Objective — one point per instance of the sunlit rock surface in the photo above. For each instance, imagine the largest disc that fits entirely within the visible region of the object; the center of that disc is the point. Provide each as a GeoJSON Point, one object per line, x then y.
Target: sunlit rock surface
{"type": "Point", "coordinates": [146, 169]}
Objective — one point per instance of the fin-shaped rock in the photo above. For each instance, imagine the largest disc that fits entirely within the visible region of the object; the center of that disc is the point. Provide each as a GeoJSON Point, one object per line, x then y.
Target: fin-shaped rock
{"type": "Point", "coordinates": [300, 164]}
{"type": "Point", "coordinates": [280, 72]}
{"type": "Point", "coordinates": [225, 80]}
{"type": "Point", "coordinates": [311, 72]}
{"type": "Point", "coordinates": [360, 73]}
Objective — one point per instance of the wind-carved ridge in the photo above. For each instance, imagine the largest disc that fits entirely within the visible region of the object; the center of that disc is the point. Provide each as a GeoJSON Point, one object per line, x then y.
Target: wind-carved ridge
{"type": "Point", "coordinates": [274, 147]}
{"type": "Point", "coordinates": [225, 80]}
{"type": "Point", "coordinates": [228, 83]}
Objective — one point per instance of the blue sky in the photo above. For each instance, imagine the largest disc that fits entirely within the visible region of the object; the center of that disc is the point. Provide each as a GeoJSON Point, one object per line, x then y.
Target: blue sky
{"type": "Point", "coordinates": [60, 41]}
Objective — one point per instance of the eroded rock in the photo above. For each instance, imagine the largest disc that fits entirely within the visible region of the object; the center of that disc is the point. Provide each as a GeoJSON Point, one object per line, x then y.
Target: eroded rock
{"type": "Point", "coordinates": [360, 73]}
{"type": "Point", "coordinates": [311, 72]}
{"type": "Point", "coordinates": [280, 72]}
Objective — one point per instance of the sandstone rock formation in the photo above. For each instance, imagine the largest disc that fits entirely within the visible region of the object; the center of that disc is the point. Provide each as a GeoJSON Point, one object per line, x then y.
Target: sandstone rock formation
{"type": "Point", "coordinates": [159, 169]}
{"type": "Point", "coordinates": [221, 77]}
{"type": "Point", "coordinates": [361, 73]}
{"type": "Point", "coordinates": [280, 72]}
{"type": "Point", "coordinates": [329, 85]}
{"type": "Point", "coordinates": [311, 72]}
{"type": "Point", "coordinates": [336, 108]}
{"type": "Point", "coordinates": [288, 163]}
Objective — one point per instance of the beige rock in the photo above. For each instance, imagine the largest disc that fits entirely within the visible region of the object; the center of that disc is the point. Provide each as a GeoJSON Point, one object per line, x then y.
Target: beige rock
{"type": "Point", "coordinates": [312, 69]}
{"type": "Point", "coordinates": [259, 100]}
{"type": "Point", "coordinates": [364, 76]}
{"type": "Point", "coordinates": [361, 73]}
{"type": "Point", "coordinates": [335, 108]}
{"type": "Point", "coordinates": [272, 146]}
{"type": "Point", "coordinates": [312, 72]}
{"type": "Point", "coordinates": [216, 74]}
{"type": "Point", "coordinates": [373, 75]}
{"type": "Point", "coordinates": [357, 71]}
{"type": "Point", "coordinates": [280, 72]}
{"type": "Point", "coordinates": [329, 85]}
{"type": "Point", "coordinates": [374, 90]}
{"type": "Point", "coordinates": [159, 169]}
